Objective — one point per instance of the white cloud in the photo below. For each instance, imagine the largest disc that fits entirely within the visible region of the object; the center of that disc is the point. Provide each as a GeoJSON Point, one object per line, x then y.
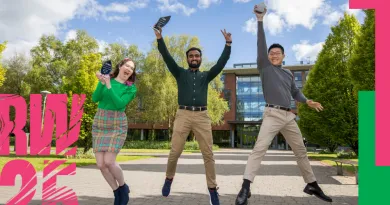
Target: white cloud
{"type": "Point", "coordinates": [123, 41]}
{"type": "Point", "coordinates": [102, 45]}
{"type": "Point", "coordinates": [18, 47]}
{"type": "Point", "coordinates": [305, 51]}
{"type": "Point", "coordinates": [93, 9]}
{"type": "Point", "coordinates": [283, 14]}
{"type": "Point", "coordinates": [333, 15]}
{"type": "Point", "coordinates": [72, 34]}
{"type": "Point", "coordinates": [345, 7]}
{"type": "Point", "coordinates": [206, 3]}
{"type": "Point", "coordinates": [241, 1]}
{"type": "Point", "coordinates": [138, 4]}
{"type": "Point", "coordinates": [272, 22]}
{"type": "Point", "coordinates": [332, 18]}
{"type": "Point", "coordinates": [116, 7]}
{"type": "Point", "coordinates": [251, 26]}
{"type": "Point", "coordinates": [118, 18]}
{"type": "Point", "coordinates": [175, 7]}
{"type": "Point", "coordinates": [25, 22]}
{"type": "Point", "coordinates": [300, 12]}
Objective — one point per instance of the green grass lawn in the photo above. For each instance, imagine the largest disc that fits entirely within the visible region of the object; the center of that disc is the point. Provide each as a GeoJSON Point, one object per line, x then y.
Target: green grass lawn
{"type": "Point", "coordinates": [37, 162]}
{"type": "Point", "coordinates": [327, 159]}
{"type": "Point", "coordinates": [146, 150]}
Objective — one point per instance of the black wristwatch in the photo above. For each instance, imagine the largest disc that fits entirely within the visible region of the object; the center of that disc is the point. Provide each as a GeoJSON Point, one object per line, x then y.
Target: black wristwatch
{"type": "Point", "coordinates": [229, 41]}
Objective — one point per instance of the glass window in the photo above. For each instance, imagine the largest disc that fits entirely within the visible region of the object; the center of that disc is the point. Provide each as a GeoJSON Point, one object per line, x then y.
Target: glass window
{"type": "Point", "coordinates": [299, 84]}
{"type": "Point", "coordinates": [254, 89]}
{"type": "Point", "coordinates": [255, 78]}
{"type": "Point", "coordinates": [293, 104]}
{"type": "Point", "coordinates": [298, 75]}
{"type": "Point", "coordinates": [244, 79]}
{"type": "Point", "coordinates": [250, 99]}
{"type": "Point", "coordinates": [298, 79]}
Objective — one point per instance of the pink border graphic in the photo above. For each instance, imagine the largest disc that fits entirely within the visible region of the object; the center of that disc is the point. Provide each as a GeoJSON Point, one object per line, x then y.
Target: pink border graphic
{"type": "Point", "coordinates": [382, 73]}
{"type": "Point", "coordinates": [40, 144]}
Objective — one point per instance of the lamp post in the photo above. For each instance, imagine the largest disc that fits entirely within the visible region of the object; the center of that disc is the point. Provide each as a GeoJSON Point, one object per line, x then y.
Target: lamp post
{"type": "Point", "coordinates": [44, 93]}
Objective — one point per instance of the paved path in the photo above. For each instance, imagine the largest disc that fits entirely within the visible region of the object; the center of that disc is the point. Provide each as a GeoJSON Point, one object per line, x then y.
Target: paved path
{"type": "Point", "coordinates": [279, 182]}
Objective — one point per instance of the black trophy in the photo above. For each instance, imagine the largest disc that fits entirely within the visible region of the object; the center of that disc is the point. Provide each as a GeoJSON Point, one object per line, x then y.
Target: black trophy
{"type": "Point", "coordinates": [162, 22]}
{"type": "Point", "coordinates": [106, 68]}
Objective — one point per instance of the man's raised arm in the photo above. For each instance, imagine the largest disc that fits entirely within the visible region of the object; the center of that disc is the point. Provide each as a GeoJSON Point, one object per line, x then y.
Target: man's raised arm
{"type": "Point", "coordinates": [262, 57]}
{"type": "Point", "coordinates": [169, 61]}
{"type": "Point", "coordinates": [217, 68]}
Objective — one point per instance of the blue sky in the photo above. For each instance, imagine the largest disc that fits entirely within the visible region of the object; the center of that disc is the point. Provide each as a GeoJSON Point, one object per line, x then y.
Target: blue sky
{"type": "Point", "coordinates": [301, 26]}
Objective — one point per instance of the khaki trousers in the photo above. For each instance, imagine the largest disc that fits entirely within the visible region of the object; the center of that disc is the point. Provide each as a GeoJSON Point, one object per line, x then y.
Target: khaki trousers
{"type": "Point", "coordinates": [275, 121]}
{"type": "Point", "coordinates": [199, 122]}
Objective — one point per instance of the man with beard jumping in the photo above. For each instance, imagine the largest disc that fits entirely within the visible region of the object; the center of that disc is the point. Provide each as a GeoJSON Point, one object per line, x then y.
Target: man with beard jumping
{"type": "Point", "coordinates": [192, 113]}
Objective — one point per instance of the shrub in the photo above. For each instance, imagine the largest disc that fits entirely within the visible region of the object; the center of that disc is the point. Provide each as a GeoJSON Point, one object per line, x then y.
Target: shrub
{"type": "Point", "coordinates": [161, 145]}
{"type": "Point", "coordinates": [81, 155]}
{"type": "Point", "coordinates": [325, 151]}
{"type": "Point", "coordinates": [346, 155]}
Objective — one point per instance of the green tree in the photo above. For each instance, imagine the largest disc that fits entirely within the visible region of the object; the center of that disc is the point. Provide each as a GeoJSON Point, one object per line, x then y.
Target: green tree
{"type": "Point", "coordinates": [2, 70]}
{"type": "Point", "coordinates": [16, 69]}
{"type": "Point", "coordinates": [216, 106]}
{"type": "Point", "coordinates": [362, 63]}
{"type": "Point", "coordinates": [48, 48]}
{"type": "Point", "coordinates": [52, 60]}
{"type": "Point", "coordinates": [137, 56]}
{"type": "Point", "coordinates": [75, 49]}
{"type": "Point", "coordinates": [117, 52]}
{"type": "Point", "coordinates": [84, 82]}
{"type": "Point", "coordinates": [38, 79]}
{"type": "Point", "coordinates": [47, 65]}
{"type": "Point", "coordinates": [133, 111]}
{"type": "Point", "coordinates": [68, 68]}
{"type": "Point", "coordinates": [330, 84]}
{"type": "Point", "coordinates": [114, 52]}
{"type": "Point", "coordinates": [315, 134]}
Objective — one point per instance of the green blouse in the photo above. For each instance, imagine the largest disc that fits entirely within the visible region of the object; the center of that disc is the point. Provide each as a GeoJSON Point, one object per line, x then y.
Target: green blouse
{"type": "Point", "coordinates": [116, 98]}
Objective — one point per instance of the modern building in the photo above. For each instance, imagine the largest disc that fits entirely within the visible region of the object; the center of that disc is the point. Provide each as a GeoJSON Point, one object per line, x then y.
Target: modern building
{"type": "Point", "coordinates": [244, 93]}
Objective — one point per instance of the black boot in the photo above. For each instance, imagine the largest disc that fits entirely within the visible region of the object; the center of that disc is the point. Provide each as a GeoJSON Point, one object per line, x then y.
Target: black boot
{"type": "Point", "coordinates": [244, 194]}
{"type": "Point", "coordinates": [117, 200]}
{"type": "Point", "coordinates": [314, 189]}
{"type": "Point", "coordinates": [124, 194]}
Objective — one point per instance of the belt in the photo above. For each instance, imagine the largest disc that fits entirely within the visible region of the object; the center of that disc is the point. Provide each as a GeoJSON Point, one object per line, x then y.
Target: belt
{"type": "Point", "coordinates": [278, 107]}
{"type": "Point", "coordinates": [192, 108]}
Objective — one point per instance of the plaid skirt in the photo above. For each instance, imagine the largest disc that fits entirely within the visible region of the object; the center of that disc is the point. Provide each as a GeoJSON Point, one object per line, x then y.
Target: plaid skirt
{"type": "Point", "coordinates": [109, 131]}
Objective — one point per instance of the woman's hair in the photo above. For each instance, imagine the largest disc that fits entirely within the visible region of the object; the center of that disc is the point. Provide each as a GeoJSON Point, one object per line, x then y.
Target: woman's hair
{"type": "Point", "coordinates": [131, 79]}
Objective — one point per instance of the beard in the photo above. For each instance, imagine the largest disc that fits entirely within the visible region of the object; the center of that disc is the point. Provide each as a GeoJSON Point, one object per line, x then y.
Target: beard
{"type": "Point", "coordinates": [194, 64]}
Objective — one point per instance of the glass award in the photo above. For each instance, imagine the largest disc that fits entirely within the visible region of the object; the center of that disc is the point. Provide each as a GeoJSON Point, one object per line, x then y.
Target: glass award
{"type": "Point", "coordinates": [106, 68]}
{"type": "Point", "coordinates": [162, 22]}
{"type": "Point", "coordinates": [260, 7]}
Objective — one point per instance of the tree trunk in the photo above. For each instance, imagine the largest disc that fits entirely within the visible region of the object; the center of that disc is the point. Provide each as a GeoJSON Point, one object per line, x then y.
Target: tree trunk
{"type": "Point", "coordinates": [332, 148]}
{"type": "Point", "coordinates": [355, 147]}
{"type": "Point", "coordinates": [152, 137]}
